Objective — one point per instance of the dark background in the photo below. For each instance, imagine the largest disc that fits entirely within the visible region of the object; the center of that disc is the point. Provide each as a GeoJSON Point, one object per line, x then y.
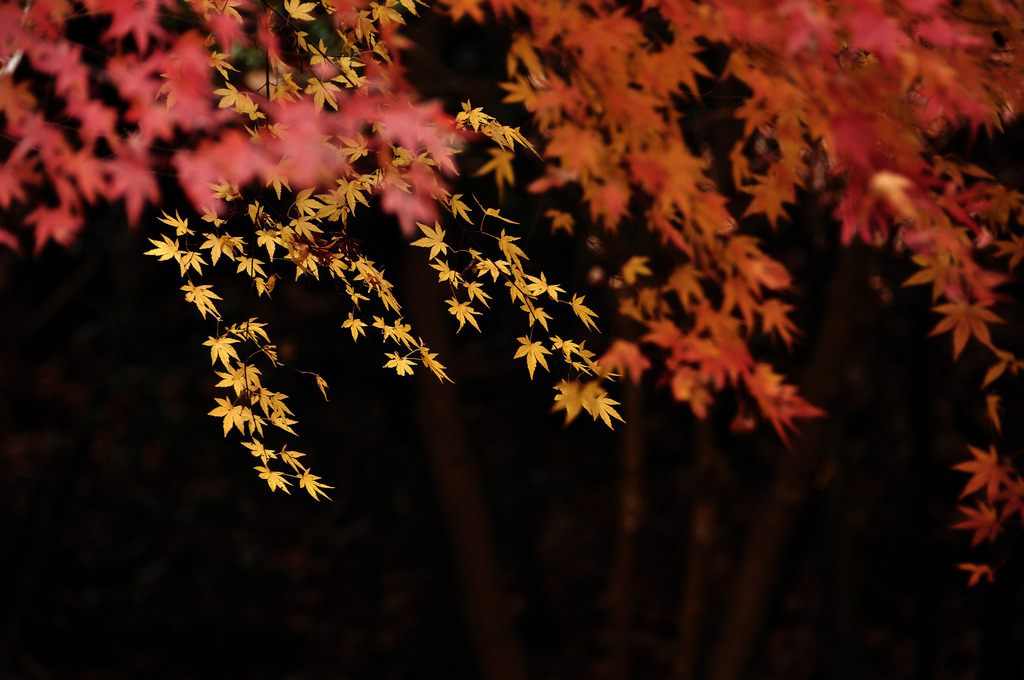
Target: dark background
{"type": "Point", "coordinates": [137, 542]}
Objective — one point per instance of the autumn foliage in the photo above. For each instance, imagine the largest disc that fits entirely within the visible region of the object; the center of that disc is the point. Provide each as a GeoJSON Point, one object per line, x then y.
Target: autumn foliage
{"type": "Point", "coordinates": [696, 130]}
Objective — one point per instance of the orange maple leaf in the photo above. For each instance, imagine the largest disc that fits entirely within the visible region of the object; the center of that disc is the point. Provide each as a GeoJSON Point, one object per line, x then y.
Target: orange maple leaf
{"type": "Point", "coordinates": [769, 193]}
{"type": "Point", "coordinates": [977, 571]}
{"type": "Point", "coordinates": [775, 319]}
{"type": "Point", "coordinates": [983, 522]}
{"type": "Point", "coordinates": [965, 320]}
{"type": "Point", "coordinates": [985, 470]}
{"type": "Point", "coordinates": [779, 402]}
{"type": "Point", "coordinates": [625, 357]}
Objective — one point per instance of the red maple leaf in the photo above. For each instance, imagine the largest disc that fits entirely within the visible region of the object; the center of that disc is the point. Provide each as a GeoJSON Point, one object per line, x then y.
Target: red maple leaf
{"type": "Point", "coordinates": [56, 224]}
{"type": "Point", "coordinates": [132, 179]}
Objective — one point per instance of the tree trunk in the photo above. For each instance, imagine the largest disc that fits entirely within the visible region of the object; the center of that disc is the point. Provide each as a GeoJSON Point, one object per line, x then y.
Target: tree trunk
{"type": "Point", "coordinates": [691, 606]}
{"type": "Point", "coordinates": [774, 522]}
{"type": "Point", "coordinates": [620, 589]}
{"type": "Point", "coordinates": [483, 601]}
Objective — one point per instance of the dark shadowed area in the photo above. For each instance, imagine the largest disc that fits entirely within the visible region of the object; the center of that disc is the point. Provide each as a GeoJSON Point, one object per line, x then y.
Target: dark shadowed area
{"type": "Point", "coordinates": [471, 536]}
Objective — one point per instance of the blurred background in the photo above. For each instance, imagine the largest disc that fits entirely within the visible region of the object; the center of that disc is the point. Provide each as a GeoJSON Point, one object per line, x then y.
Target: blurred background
{"type": "Point", "coordinates": [471, 535]}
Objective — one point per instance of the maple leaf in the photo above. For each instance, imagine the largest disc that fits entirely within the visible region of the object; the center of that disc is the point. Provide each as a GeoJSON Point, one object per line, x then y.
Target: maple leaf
{"type": "Point", "coordinates": [494, 269]}
{"type": "Point", "coordinates": [138, 18]}
{"type": "Point", "coordinates": [258, 450]}
{"type": "Point", "coordinates": [275, 480]}
{"type": "Point", "coordinates": [939, 269]}
{"type": "Point", "coordinates": [769, 193]}
{"type": "Point", "coordinates": [983, 522]}
{"type": "Point", "coordinates": [220, 348]}
{"type": "Point", "coordinates": [569, 399]}
{"type": "Point", "coordinates": [402, 365]}
{"type": "Point", "coordinates": [510, 250]}
{"type": "Point", "coordinates": [297, 11]}
{"type": "Point", "coordinates": [180, 225]}
{"type": "Point", "coordinates": [322, 384]}
{"type": "Point", "coordinates": [992, 409]}
{"type": "Point", "coordinates": [203, 297]}
{"type": "Point", "coordinates": [978, 571]}
{"type": "Point", "coordinates": [560, 220]}
{"type": "Point", "coordinates": [463, 312]}
{"type": "Point", "coordinates": [166, 250]}
{"type": "Point", "coordinates": [965, 320]}
{"type": "Point", "coordinates": [191, 260]}
{"type": "Point", "coordinates": [279, 420]}
{"type": "Point", "coordinates": [356, 326]}
{"type": "Point", "coordinates": [224, 244]}
{"type": "Point", "coordinates": [539, 286]}
{"type": "Point", "coordinates": [430, 361]}
{"type": "Point", "coordinates": [635, 267]}
{"type": "Point", "coordinates": [584, 313]}
{"type": "Point", "coordinates": [537, 315]}
{"type": "Point", "coordinates": [501, 165]}
{"type": "Point", "coordinates": [625, 356]}
{"type": "Point", "coordinates": [534, 353]}
{"type": "Point", "coordinates": [434, 240]}
{"type": "Point", "coordinates": [985, 470]}
{"type": "Point", "coordinates": [598, 404]}
{"type": "Point", "coordinates": [779, 402]}
{"type": "Point", "coordinates": [775, 319]}
{"type": "Point", "coordinates": [685, 282]}
{"type": "Point", "coordinates": [311, 483]}
{"type": "Point", "coordinates": [291, 458]}
{"type": "Point", "coordinates": [233, 415]}
{"type": "Point", "coordinates": [475, 291]}
{"type": "Point", "coordinates": [459, 208]}
{"type": "Point", "coordinates": [250, 330]}
{"type": "Point", "coordinates": [446, 273]}
{"type": "Point", "coordinates": [461, 8]}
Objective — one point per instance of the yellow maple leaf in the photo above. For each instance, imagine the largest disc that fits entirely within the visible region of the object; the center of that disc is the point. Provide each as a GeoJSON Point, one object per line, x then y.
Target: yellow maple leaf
{"type": "Point", "coordinates": [402, 365]}
{"type": "Point", "coordinates": [291, 458]}
{"type": "Point", "coordinates": [322, 384]}
{"type": "Point", "coordinates": [167, 250]}
{"type": "Point", "coordinates": [510, 250]}
{"type": "Point", "coordinates": [202, 297]}
{"type": "Point", "coordinates": [534, 353]}
{"type": "Point", "coordinates": [463, 312]}
{"type": "Point", "coordinates": [180, 225]}
{"type": "Point", "coordinates": [568, 399]}
{"type": "Point", "coordinates": [310, 483]}
{"type": "Point", "coordinates": [539, 286]}
{"type": "Point", "coordinates": [299, 12]}
{"type": "Point", "coordinates": [355, 325]}
{"type": "Point", "coordinates": [275, 479]}
{"type": "Point", "coordinates": [537, 314]}
{"type": "Point", "coordinates": [430, 361]}
{"type": "Point", "coordinates": [475, 290]}
{"type": "Point", "coordinates": [434, 240]}
{"type": "Point", "coordinates": [220, 348]}
{"type": "Point", "coordinates": [585, 314]}
{"type": "Point", "coordinates": [635, 267]}
{"type": "Point", "coordinates": [232, 414]}
{"type": "Point", "coordinates": [598, 404]}
{"type": "Point", "coordinates": [501, 165]}
{"type": "Point", "coordinates": [459, 208]}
